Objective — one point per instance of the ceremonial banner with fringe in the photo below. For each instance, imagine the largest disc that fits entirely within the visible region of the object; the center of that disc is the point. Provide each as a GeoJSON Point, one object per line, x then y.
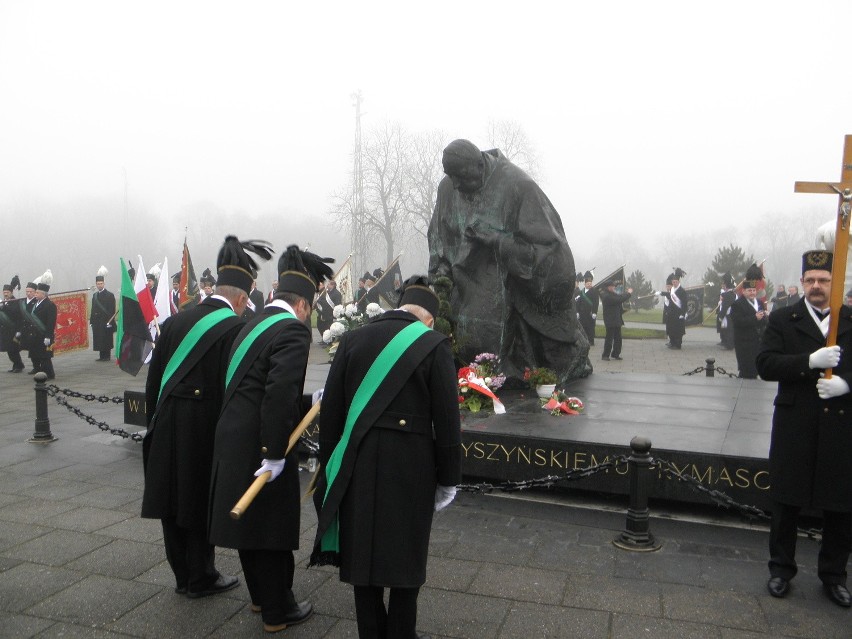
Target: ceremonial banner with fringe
{"type": "Point", "coordinates": [72, 324]}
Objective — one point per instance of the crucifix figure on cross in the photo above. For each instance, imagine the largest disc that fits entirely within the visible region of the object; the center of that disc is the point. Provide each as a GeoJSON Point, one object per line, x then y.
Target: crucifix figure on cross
{"type": "Point", "coordinates": [841, 235]}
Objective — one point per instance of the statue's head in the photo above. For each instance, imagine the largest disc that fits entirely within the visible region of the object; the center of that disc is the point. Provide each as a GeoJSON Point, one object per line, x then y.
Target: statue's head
{"type": "Point", "coordinates": [464, 165]}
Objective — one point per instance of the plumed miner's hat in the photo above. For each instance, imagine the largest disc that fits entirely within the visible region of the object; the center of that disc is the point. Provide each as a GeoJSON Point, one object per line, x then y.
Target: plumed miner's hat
{"type": "Point", "coordinates": [207, 278]}
{"type": "Point", "coordinates": [588, 277]}
{"type": "Point", "coordinates": [377, 274]}
{"type": "Point", "coordinates": [45, 281]}
{"type": "Point", "coordinates": [728, 280]}
{"type": "Point", "coordinates": [102, 271]}
{"type": "Point", "coordinates": [14, 284]}
{"type": "Point", "coordinates": [753, 276]}
{"type": "Point", "coordinates": [300, 272]}
{"type": "Point", "coordinates": [817, 261]}
{"type": "Point", "coordinates": [415, 290]}
{"type": "Point", "coordinates": [176, 277]}
{"type": "Point", "coordinates": [677, 275]}
{"type": "Point", "coordinates": [234, 265]}
{"type": "Point", "coordinates": [578, 277]}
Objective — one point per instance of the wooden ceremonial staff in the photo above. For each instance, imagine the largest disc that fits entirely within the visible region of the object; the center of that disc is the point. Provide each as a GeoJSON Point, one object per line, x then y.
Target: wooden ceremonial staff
{"type": "Point", "coordinates": [245, 501]}
{"type": "Point", "coordinates": [841, 235]}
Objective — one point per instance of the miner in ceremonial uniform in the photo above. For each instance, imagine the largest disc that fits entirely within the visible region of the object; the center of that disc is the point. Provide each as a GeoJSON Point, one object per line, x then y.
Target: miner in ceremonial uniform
{"type": "Point", "coordinates": [183, 395]}
{"type": "Point", "coordinates": [724, 325]}
{"type": "Point", "coordinates": [263, 406]}
{"type": "Point", "coordinates": [749, 317]}
{"type": "Point", "coordinates": [587, 301]}
{"type": "Point", "coordinates": [102, 317]}
{"type": "Point", "coordinates": [39, 326]}
{"type": "Point", "coordinates": [811, 444]}
{"type": "Point", "coordinates": [612, 302]}
{"type": "Point", "coordinates": [390, 447]}
{"type": "Point", "coordinates": [675, 309]}
{"type": "Point", "coordinates": [10, 324]}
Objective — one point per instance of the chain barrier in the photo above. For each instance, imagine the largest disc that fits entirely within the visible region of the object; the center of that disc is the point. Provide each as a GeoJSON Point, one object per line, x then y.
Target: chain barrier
{"type": "Point", "coordinates": [721, 498]}
{"type": "Point", "coordinates": [716, 369]}
{"type": "Point", "coordinates": [57, 394]}
{"type": "Point", "coordinates": [548, 481]}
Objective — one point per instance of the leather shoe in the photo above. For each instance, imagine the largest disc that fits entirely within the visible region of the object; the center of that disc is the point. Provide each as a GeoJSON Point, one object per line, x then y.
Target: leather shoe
{"type": "Point", "coordinates": [606, 359]}
{"type": "Point", "coordinates": [32, 372]}
{"type": "Point", "coordinates": [222, 584]}
{"type": "Point", "coordinates": [839, 594]}
{"type": "Point", "coordinates": [616, 357]}
{"type": "Point", "coordinates": [15, 370]}
{"type": "Point", "coordinates": [297, 615]}
{"type": "Point", "coordinates": [778, 586]}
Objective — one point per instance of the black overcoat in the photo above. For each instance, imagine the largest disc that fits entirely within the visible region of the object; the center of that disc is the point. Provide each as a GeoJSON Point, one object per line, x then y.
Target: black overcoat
{"type": "Point", "coordinates": [39, 323]}
{"type": "Point", "coordinates": [587, 303]}
{"type": "Point", "coordinates": [10, 322]}
{"type": "Point", "coordinates": [612, 307]}
{"type": "Point", "coordinates": [747, 332]}
{"type": "Point", "coordinates": [103, 313]}
{"type": "Point", "coordinates": [178, 447]}
{"type": "Point", "coordinates": [415, 443]}
{"type": "Point", "coordinates": [256, 422]}
{"type": "Point", "coordinates": [810, 454]}
{"type": "Point", "coordinates": [675, 316]}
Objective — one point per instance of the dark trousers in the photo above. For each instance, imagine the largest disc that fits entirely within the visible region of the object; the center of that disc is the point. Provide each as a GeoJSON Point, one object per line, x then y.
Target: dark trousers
{"type": "Point", "coordinates": [833, 552]}
{"type": "Point", "coordinates": [269, 579]}
{"type": "Point", "coordinates": [43, 365]}
{"type": "Point", "coordinates": [726, 336]}
{"type": "Point", "coordinates": [14, 352]}
{"type": "Point", "coordinates": [397, 621]}
{"type": "Point", "coordinates": [190, 555]}
{"type": "Point", "coordinates": [588, 325]}
{"type": "Point", "coordinates": [612, 341]}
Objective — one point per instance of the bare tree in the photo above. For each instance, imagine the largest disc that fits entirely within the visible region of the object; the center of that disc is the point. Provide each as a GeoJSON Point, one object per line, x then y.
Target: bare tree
{"type": "Point", "coordinates": [509, 136]}
{"type": "Point", "coordinates": [425, 173]}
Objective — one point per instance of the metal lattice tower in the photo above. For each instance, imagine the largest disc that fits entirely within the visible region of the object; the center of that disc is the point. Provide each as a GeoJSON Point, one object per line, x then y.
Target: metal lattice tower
{"type": "Point", "coordinates": [358, 230]}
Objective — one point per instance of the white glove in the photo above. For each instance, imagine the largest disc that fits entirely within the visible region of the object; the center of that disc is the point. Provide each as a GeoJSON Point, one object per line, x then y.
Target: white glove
{"type": "Point", "coordinates": [317, 396]}
{"type": "Point", "coordinates": [594, 316]}
{"type": "Point", "coordinates": [47, 341]}
{"type": "Point", "coordinates": [273, 465]}
{"type": "Point", "coordinates": [445, 494]}
{"type": "Point", "coordinates": [17, 334]}
{"type": "Point", "coordinates": [834, 387]}
{"type": "Point", "coordinates": [825, 357]}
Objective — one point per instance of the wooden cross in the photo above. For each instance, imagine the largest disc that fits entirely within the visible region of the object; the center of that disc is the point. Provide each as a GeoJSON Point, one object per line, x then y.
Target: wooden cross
{"type": "Point", "coordinates": [843, 189]}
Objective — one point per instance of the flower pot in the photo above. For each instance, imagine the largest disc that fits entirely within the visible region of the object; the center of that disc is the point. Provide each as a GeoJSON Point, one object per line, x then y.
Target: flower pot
{"type": "Point", "coordinates": [545, 390]}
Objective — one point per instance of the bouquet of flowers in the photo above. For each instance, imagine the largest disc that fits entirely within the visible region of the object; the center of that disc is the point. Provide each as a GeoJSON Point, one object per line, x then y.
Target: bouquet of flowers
{"type": "Point", "coordinates": [347, 318]}
{"type": "Point", "coordinates": [561, 404]}
{"type": "Point", "coordinates": [477, 383]}
{"type": "Point", "coordinates": [539, 376]}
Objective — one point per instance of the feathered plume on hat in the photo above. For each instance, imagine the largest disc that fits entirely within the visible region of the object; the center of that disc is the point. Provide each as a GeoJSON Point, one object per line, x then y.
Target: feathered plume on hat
{"type": "Point", "coordinates": [15, 283]}
{"type": "Point", "coordinates": [43, 283]}
{"type": "Point", "coordinates": [102, 271]}
{"type": "Point", "coordinates": [300, 272]}
{"type": "Point", "coordinates": [131, 271]}
{"type": "Point", "coordinates": [176, 277]}
{"type": "Point", "coordinates": [235, 266]}
{"type": "Point", "coordinates": [752, 276]}
{"type": "Point", "coordinates": [155, 270]}
{"type": "Point", "coordinates": [207, 277]}
{"type": "Point", "coordinates": [728, 280]}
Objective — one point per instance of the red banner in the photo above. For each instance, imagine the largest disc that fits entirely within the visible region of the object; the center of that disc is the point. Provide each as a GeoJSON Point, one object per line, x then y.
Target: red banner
{"type": "Point", "coordinates": [72, 322]}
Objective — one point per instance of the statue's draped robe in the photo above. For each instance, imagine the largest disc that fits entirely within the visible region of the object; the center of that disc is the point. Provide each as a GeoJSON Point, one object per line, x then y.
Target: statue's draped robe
{"type": "Point", "coordinates": [515, 298]}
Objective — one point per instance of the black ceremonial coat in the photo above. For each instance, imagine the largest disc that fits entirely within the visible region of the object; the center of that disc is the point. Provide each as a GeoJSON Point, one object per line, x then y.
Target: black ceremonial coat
{"type": "Point", "coordinates": [178, 447]}
{"type": "Point", "coordinates": [10, 322]}
{"type": "Point", "coordinates": [587, 305]}
{"type": "Point", "coordinates": [406, 448]}
{"type": "Point", "coordinates": [811, 445]}
{"type": "Point", "coordinates": [103, 312]}
{"type": "Point", "coordinates": [260, 413]}
{"type": "Point", "coordinates": [747, 332]}
{"type": "Point", "coordinates": [39, 322]}
{"type": "Point", "coordinates": [612, 307]}
{"type": "Point", "coordinates": [676, 315]}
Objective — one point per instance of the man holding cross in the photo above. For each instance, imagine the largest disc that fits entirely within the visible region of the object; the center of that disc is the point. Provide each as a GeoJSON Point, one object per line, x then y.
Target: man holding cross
{"type": "Point", "coordinates": [811, 436]}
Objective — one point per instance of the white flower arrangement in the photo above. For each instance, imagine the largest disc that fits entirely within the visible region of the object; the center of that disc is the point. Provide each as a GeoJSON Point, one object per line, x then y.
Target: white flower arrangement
{"type": "Point", "coordinates": [338, 311]}
{"type": "Point", "coordinates": [374, 309]}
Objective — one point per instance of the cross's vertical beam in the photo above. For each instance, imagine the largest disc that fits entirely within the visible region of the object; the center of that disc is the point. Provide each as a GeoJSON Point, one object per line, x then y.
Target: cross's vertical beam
{"type": "Point", "coordinates": [841, 233]}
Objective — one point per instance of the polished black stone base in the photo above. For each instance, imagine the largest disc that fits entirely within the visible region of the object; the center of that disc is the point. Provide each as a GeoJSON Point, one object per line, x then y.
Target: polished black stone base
{"type": "Point", "coordinates": [714, 429]}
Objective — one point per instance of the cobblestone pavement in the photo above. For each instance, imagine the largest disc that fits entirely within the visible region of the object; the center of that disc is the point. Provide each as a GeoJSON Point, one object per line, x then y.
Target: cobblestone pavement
{"type": "Point", "coordinates": [76, 560]}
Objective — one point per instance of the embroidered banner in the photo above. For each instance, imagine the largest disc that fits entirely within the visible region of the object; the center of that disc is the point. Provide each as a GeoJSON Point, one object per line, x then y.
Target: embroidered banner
{"type": "Point", "coordinates": [72, 323]}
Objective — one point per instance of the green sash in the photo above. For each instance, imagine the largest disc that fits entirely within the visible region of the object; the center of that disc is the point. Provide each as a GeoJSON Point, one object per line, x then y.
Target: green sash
{"type": "Point", "coordinates": [190, 340]}
{"type": "Point", "coordinates": [256, 332]}
{"type": "Point", "coordinates": [377, 373]}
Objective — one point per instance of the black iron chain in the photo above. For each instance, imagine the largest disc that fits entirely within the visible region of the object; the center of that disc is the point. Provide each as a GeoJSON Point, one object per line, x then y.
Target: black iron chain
{"type": "Point", "coordinates": [548, 481]}
{"type": "Point", "coordinates": [89, 397]}
{"type": "Point", "coordinates": [721, 498]}
{"type": "Point", "coordinates": [57, 393]}
{"type": "Point", "coordinates": [717, 369]}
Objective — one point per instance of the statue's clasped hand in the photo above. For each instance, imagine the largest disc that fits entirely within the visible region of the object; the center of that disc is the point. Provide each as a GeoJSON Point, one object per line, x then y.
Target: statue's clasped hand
{"type": "Point", "coordinates": [475, 233]}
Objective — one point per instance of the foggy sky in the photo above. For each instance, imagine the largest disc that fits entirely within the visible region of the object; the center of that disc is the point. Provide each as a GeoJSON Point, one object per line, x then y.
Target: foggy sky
{"type": "Point", "coordinates": [650, 120]}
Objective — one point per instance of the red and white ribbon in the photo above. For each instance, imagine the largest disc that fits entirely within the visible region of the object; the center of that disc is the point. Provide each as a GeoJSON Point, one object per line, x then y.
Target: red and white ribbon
{"type": "Point", "coordinates": [478, 384]}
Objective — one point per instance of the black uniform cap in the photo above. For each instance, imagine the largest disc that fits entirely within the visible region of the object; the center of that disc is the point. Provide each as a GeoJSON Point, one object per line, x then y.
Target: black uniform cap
{"type": "Point", "coordinates": [415, 290]}
{"type": "Point", "coordinates": [234, 265]}
{"type": "Point", "coordinates": [817, 261]}
{"type": "Point", "coordinates": [300, 272]}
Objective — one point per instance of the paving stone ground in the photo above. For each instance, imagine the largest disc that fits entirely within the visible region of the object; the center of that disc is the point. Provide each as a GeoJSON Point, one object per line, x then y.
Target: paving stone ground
{"type": "Point", "coordinates": [76, 560]}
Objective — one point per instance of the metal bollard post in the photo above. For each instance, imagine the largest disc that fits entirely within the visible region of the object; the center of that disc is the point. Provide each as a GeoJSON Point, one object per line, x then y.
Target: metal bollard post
{"type": "Point", "coordinates": [42, 434]}
{"type": "Point", "coordinates": [637, 535]}
{"type": "Point", "coordinates": [711, 366]}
